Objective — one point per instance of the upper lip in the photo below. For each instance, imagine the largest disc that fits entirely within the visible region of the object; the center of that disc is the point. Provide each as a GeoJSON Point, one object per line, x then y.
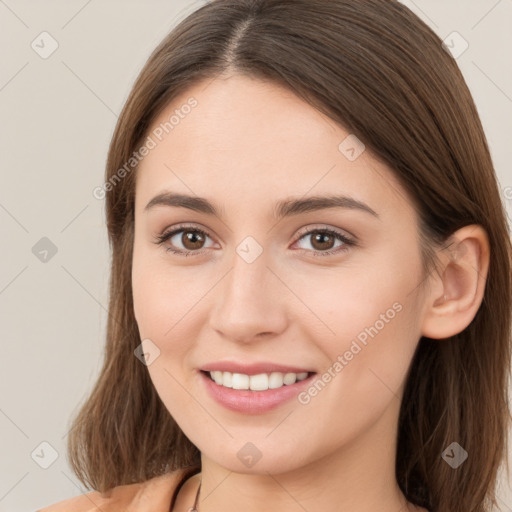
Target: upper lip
{"type": "Point", "coordinates": [252, 368]}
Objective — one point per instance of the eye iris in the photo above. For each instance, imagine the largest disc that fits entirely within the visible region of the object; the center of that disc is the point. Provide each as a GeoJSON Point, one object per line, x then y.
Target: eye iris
{"type": "Point", "coordinates": [192, 237]}
{"type": "Point", "coordinates": [321, 238]}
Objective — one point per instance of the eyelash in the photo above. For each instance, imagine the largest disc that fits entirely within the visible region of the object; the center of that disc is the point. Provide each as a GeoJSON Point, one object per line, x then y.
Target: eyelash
{"type": "Point", "coordinates": [161, 239]}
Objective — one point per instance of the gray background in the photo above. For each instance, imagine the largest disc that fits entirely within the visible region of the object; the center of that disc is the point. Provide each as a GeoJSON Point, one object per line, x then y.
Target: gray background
{"type": "Point", "coordinates": [58, 115]}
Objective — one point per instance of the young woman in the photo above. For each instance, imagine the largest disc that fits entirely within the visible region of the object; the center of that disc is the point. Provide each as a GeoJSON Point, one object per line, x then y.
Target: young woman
{"type": "Point", "coordinates": [310, 297]}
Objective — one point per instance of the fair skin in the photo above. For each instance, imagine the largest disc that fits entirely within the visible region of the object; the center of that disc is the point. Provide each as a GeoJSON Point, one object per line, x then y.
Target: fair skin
{"type": "Point", "coordinates": [247, 145]}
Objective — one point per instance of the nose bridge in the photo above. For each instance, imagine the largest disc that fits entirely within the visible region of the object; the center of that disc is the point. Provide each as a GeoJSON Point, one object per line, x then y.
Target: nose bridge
{"type": "Point", "coordinates": [247, 303]}
{"type": "Point", "coordinates": [248, 281]}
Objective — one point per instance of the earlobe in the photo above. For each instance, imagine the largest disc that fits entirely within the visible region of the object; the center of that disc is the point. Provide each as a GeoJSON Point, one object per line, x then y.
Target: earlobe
{"type": "Point", "coordinates": [457, 291]}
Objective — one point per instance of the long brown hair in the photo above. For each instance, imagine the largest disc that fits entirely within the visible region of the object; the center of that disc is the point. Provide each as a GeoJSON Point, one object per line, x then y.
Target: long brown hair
{"type": "Point", "coordinates": [376, 69]}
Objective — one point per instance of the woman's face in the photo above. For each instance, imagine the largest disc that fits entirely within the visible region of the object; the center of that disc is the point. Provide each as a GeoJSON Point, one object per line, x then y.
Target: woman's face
{"type": "Point", "coordinates": [260, 288]}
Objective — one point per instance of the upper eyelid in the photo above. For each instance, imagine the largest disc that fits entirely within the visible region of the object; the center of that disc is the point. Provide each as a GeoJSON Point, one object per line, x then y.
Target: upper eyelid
{"type": "Point", "coordinates": [321, 227]}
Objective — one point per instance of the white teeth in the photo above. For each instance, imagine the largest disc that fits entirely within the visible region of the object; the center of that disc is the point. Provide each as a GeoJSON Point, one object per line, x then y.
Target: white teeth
{"type": "Point", "coordinates": [290, 378]}
{"type": "Point", "coordinates": [227, 380]}
{"type": "Point", "coordinates": [260, 382]}
{"type": "Point", "coordinates": [240, 381]}
{"type": "Point", "coordinates": [275, 380]}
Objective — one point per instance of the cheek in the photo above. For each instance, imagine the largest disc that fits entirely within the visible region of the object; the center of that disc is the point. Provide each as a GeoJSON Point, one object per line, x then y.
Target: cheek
{"type": "Point", "coordinates": [160, 296]}
{"type": "Point", "coordinates": [366, 371]}
{"type": "Point", "coordinates": [374, 325]}
{"type": "Point", "coordinates": [164, 316]}
{"type": "Point", "coordinates": [152, 299]}
{"type": "Point", "coordinates": [152, 306]}
{"type": "Point", "coordinates": [170, 306]}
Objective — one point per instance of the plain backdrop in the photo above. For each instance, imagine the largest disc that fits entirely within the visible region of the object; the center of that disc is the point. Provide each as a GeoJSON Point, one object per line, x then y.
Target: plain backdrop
{"type": "Point", "coordinates": [58, 113]}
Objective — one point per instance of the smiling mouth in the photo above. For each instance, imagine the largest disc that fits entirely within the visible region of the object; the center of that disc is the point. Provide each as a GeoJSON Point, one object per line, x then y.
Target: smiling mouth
{"type": "Point", "coordinates": [259, 382]}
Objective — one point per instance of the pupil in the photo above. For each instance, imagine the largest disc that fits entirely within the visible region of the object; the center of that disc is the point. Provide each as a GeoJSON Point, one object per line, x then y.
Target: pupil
{"type": "Point", "coordinates": [194, 238]}
{"type": "Point", "coordinates": [321, 238]}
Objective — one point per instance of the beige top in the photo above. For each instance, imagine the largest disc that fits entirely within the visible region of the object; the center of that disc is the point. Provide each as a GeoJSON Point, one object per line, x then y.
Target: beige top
{"type": "Point", "coordinates": [155, 495]}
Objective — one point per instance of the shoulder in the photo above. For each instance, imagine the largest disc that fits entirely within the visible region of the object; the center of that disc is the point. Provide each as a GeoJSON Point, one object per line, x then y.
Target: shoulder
{"type": "Point", "coordinates": [153, 495]}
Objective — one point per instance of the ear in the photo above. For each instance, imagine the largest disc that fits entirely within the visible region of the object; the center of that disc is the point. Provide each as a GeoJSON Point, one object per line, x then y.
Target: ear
{"type": "Point", "coordinates": [456, 292]}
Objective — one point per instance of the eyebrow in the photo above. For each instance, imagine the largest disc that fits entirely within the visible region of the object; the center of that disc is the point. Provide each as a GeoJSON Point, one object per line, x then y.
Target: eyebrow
{"type": "Point", "coordinates": [284, 208]}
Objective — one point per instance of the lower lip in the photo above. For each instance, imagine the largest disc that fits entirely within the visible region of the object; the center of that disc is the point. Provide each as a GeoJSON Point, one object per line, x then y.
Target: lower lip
{"type": "Point", "coordinates": [253, 402]}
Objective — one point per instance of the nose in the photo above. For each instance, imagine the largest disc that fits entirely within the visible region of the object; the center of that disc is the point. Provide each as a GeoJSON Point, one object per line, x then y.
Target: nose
{"type": "Point", "coordinates": [251, 302]}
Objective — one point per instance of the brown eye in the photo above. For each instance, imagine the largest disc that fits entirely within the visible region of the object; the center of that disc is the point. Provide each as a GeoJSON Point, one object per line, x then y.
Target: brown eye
{"type": "Point", "coordinates": [184, 240]}
{"type": "Point", "coordinates": [322, 241]}
{"type": "Point", "coordinates": [192, 240]}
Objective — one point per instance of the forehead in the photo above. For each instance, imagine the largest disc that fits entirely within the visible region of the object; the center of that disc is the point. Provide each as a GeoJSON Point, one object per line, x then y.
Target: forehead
{"type": "Point", "coordinates": [246, 140]}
